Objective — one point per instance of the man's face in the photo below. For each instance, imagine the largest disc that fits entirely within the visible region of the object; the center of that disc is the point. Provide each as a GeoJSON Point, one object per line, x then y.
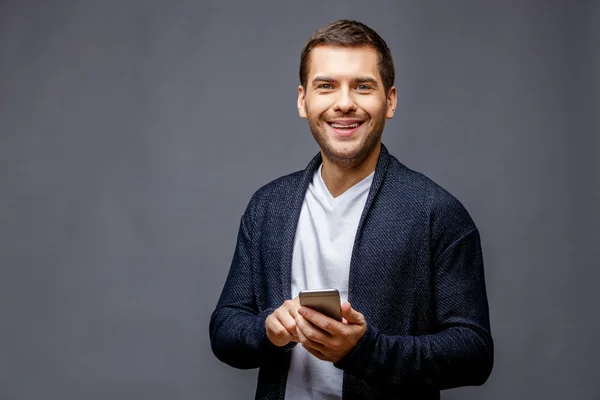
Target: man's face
{"type": "Point", "coordinates": [345, 102]}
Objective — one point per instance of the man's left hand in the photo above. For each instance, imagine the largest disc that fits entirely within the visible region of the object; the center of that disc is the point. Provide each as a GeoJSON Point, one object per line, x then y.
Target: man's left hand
{"type": "Point", "coordinates": [326, 338]}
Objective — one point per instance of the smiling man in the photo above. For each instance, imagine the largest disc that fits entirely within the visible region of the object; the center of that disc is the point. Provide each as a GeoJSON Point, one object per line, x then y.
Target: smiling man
{"type": "Point", "coordinates": [404, 253]}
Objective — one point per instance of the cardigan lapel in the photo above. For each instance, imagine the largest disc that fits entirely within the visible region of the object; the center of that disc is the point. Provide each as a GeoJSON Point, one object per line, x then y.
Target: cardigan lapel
{"type": "Point", "coordinates": [378, 178]}
{"type": "Point", "coordinates": [380, 170]}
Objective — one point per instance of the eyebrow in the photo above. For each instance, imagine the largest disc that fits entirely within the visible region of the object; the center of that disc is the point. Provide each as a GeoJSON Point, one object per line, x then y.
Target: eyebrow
{"type": "Point", "coordinates": [366, 79]}
{"type": "Point", "coordinates": [360, 79]}
{"type": "Point", "coordinates": [323, 79]}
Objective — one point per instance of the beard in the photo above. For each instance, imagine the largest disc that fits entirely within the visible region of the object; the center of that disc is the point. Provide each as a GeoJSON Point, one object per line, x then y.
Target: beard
{"type": "Point", "coordinates": [355, 152]}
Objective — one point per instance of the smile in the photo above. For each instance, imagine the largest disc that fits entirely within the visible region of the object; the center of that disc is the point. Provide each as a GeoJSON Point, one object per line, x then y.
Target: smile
{"type": "Point", "coordinates": [345, 124]}
{"type": "Point", "coordinates": [345, 128]}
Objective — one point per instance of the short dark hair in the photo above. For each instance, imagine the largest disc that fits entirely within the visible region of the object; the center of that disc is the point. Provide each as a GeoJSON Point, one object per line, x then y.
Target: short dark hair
{"type": "Point", "coordinates": [349, 33]}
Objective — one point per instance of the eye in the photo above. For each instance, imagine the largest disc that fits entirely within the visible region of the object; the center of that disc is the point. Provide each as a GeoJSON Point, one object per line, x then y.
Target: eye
{"type": "Point", "coordinates": [363, 87]}
{"type": "Point", "coordinates": [325, 86]}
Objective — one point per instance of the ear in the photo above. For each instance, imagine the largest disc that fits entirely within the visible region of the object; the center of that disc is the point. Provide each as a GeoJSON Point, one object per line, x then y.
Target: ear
{"type": "Point", "coordinates": [301, 102]}
{"type": "Point", "coordinates": [392, 102]}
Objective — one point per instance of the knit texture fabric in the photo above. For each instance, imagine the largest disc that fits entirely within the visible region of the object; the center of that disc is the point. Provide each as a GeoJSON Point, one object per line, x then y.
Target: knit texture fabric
{"type": "Point", "coordinates": [416, 274]}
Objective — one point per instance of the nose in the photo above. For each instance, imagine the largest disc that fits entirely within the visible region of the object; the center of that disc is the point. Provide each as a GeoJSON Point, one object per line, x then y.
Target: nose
{"type": "Point", "coordinates": [344, 102]}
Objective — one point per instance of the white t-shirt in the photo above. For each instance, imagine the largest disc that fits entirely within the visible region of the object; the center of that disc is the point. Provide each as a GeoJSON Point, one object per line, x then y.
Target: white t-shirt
{"type": "Point", "coordinates": [321, 260]}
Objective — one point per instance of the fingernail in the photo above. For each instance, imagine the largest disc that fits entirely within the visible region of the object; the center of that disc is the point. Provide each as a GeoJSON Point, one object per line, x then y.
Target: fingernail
{"type": "Point", "coordinates": [301, 311]}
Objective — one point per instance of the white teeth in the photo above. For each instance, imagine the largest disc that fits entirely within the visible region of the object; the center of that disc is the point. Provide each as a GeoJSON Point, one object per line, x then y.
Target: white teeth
{"type": "Point", "coordinates": [354, 125]}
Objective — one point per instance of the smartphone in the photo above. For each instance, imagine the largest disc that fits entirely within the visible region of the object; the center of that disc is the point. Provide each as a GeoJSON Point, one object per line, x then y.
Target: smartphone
{"type": "Point", "coordinates": [325, 301]}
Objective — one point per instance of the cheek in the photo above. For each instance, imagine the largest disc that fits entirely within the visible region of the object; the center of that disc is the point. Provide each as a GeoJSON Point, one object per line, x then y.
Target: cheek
{"type": "Point", "coordinates": [365, 105]}
{"type": "Point", "coordinates": [318, 105]}
{"type": "Point", "coordinates": [376, 111]}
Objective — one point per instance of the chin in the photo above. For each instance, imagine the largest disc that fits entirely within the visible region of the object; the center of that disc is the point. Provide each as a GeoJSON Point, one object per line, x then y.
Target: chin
{"type": "Point", "coordinates": [337, 152]}
{"type": "Point", "coordinates": [348, 153]}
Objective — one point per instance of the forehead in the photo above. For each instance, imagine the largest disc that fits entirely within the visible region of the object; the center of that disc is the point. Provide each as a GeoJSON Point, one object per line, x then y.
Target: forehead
{"type": "Point", "coordinates": [343, 62]}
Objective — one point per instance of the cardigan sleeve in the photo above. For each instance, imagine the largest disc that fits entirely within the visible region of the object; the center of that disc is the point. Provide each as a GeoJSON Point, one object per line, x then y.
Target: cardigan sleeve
{"type": "Point", "coordinates": [459, 352]}
{"type": "Point", "coordinates": [237, 325]}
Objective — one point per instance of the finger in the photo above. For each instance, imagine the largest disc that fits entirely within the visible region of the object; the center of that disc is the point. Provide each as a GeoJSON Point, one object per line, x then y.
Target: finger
{"type": "Point", "coordinates": [327, 324]}
{"type": "Point", "coordinates": [351, 315]}
{"type": "Point", "coordinates": [291, 306]}
{"type": "Point", "coordinates": [315, 353]}
{"type": "Point", "coordinates": [286, 319]}
{"type": "Point", "coordinates": [313, 333]}
{"type": "Point", "coordinates": [306, 341]}
{"type": "Point", "coordinates": [278, 330]}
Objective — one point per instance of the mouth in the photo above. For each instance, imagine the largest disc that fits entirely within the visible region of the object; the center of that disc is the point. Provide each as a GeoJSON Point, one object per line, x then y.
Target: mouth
{"type": "Point", "coordinates": [345, 128]}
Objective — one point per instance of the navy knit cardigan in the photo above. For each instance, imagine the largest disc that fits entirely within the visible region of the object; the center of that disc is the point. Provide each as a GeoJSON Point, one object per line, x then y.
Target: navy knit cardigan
{"type": "Point", "coordinates": [416, 274]}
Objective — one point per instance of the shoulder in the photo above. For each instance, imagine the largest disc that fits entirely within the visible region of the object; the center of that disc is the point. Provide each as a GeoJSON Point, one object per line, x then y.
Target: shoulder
{"type": "Point", "coordinates": [274, 195]}
{"type": "Point", "coordinates": [447, 216]}
{"type": "Point", "coordinates": [277, 190]}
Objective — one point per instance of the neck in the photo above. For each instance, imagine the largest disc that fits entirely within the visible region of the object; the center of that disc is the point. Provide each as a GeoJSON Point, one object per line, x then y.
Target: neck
{"type": "Point", "coordinates": [339, 178]}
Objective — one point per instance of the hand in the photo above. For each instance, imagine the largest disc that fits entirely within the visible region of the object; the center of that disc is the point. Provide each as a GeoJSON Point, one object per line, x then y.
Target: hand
{"type": "Point", "coordinates": [326, 338]}
{"type": "Point", "coordinates": [281, 324]}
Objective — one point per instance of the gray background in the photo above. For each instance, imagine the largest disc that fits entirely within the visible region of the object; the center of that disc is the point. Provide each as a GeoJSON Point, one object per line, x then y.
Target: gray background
{"type": "Point", "coordinates": [133, 133]}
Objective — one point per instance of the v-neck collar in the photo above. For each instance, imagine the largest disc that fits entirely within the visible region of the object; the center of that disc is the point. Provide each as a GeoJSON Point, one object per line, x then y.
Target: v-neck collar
{"type": "Point", "coordinates": [348, 193]}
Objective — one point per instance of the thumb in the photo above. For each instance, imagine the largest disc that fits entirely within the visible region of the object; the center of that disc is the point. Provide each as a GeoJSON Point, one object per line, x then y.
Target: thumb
{"type": "Point", "coordinates": [351, 315]}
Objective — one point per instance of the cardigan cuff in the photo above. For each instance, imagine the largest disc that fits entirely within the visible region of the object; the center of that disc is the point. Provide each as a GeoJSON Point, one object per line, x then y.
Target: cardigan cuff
{"type": "Point", "coordinates": [358, 358]}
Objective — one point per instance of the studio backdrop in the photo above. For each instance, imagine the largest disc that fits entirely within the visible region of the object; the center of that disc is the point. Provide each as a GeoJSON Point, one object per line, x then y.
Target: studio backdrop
{"type": "Point", "coordinates": [133, 134]}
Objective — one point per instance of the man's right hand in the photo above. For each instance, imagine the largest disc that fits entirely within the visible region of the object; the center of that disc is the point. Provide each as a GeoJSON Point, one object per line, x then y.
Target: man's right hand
{"type": "Point", "coordinates": [281, 324]}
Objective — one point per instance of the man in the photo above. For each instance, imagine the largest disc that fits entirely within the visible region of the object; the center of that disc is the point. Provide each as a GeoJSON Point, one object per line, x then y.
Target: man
{"type": "Point", "coordinates": [404, 253]}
